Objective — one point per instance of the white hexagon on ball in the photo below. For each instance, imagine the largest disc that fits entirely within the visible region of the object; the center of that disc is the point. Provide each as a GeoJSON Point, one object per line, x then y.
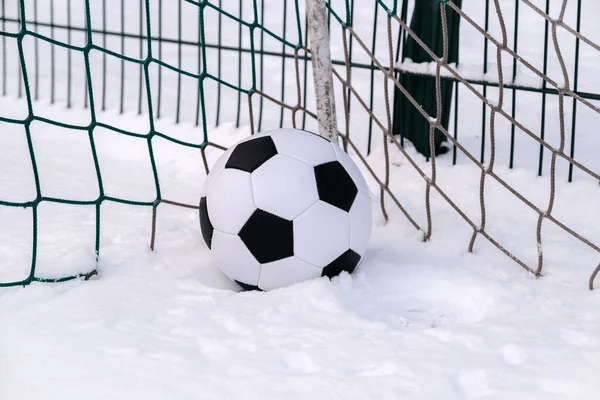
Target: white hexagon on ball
{"type": "Point", "coordinates": [215, 171]}
{"type": "Point", "coordinates": [309, 147]}
{"type": "Point", "coordinates": [282, 207]}
{"type": "Point", "coordinates": [230, 199]}
{"type": "Point", "coordinates": [284, 186]}
{"type": "Point", "coordinates": [286, 272]}
{"type": "Point", "coordinates": [360, 223]}
{"type": "Point", "coordinates": [231, 253]}
{"type": "Point", "coordinates": [321, 234]}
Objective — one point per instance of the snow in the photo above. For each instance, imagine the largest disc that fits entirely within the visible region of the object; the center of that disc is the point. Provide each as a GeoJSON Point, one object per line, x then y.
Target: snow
{"type": "Point", "coordinates": [417, 320]}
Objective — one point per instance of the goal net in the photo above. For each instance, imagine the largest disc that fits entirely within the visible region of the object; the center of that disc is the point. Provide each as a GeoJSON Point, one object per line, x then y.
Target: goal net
{"type": "Point", "coordinates": [109, 76]}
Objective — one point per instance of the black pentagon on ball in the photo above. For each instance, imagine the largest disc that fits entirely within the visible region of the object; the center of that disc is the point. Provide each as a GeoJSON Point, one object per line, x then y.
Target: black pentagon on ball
{"type": "Point", "coordinates": [335, 186]}
{"type": "Point", "coordinates": [205, 224]}
{"type": "Point", "coordinates": [346, 262]}
{"type": "Point", "coordinates": [248, 156]}
{"type": "Point", "coordinates": [268, 237]}
{"type": "Point", "coordinates": [248, 287]}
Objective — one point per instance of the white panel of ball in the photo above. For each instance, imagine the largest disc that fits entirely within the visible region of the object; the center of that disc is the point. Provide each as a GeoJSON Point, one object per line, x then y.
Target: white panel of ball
{"type": "Point", "coordinates": [360, 223]}
{"type": "Point", "coordinates": [286, 272]}
{"type": "Point", "coordinates": [215, 171]}
{"type": "Point", "coordinates": [310, 148]}
{"type": "Point", "coordinates": [321, 234]}
{"type": "Point", "coordinates": [284, 186]}
{"type": "Point", "coordinates": [235, 260]}
{"type": "Point", "coordinates": [230, 201]}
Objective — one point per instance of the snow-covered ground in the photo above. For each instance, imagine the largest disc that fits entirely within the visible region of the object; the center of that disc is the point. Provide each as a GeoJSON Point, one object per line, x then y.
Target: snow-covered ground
{"type": "Point", "coordinates": [415, 321]}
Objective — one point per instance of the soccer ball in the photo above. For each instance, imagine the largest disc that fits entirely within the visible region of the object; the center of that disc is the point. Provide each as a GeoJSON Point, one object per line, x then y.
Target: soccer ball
{"type": "Point", "coordinates": [285, 206]}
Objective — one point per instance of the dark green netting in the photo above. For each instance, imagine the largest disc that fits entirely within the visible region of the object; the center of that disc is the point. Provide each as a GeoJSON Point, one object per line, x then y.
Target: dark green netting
{"type": "Point", "coordinates": [27, 25]}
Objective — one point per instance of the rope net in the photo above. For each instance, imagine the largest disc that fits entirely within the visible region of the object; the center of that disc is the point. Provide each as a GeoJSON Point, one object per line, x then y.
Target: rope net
{"type": "Point", "coordinates": [154, 47]}
{"type": "Point", "coordinates": [489, 175]}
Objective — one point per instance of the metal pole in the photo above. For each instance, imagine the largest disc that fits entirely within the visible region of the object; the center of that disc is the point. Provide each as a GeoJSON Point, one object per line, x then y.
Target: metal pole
{"type": "Point", "coordinates": [322, 71]}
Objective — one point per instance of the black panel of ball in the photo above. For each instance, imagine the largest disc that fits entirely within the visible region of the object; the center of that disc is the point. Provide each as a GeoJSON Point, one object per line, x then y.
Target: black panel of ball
{"type": "Point", "coordinates": [245, 286]}
{"type": "Point", "coordinates": [335, 186]}
{"type": "Point", "coordinates": [346, 262]}
{"type": "Point", "coordinates": [205, 224]}
{"type": "Point", "coordinates": [268, 237]}
{"type": "Point", "coordinates": [248, 156]}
